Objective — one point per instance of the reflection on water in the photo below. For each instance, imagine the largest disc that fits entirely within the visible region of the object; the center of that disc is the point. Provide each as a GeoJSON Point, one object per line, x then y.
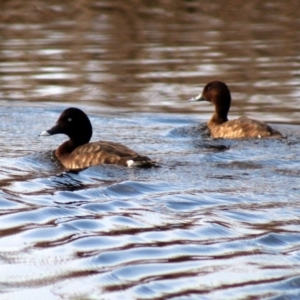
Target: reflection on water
{"type": "Point", "coordinates": [218, 220]}
{"type": "Point", "coordinates": [152, 56]}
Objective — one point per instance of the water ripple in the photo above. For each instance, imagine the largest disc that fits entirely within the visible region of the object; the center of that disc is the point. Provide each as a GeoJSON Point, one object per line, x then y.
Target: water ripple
{"type": "Point", "coordinates": [218, 220]}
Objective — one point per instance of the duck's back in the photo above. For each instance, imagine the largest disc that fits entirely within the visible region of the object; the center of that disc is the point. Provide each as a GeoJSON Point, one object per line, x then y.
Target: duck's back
{"type": "Point", "coordinates": [242, 127]}
{"type": "Point", "coordinates": [102, 152]}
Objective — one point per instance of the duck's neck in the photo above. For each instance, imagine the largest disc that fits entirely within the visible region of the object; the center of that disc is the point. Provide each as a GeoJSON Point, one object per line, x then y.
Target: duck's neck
{"type": "Point", "coordinates": [221, 103]}
{"type": "Point", "coordinates": [68, 147]}
{"type": "Point", "coordinates": [219, 116]}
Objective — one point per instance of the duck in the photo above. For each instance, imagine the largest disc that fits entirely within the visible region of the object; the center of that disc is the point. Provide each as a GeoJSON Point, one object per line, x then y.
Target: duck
{"type": "Point", "coordinates": [218, 93]}
{"type": "Point", "coordinates": [79, 153]}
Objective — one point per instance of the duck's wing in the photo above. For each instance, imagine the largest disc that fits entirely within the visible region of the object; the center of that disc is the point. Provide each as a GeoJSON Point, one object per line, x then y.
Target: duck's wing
{"type": "Point", "coordinates": [105, 152]}
{"type": "Point", "coordinates": [243, 127]}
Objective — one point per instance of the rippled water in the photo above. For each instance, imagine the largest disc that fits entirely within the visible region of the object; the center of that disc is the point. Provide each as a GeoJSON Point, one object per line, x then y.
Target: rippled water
{"type": "Point", "coordinates": [218, 220]}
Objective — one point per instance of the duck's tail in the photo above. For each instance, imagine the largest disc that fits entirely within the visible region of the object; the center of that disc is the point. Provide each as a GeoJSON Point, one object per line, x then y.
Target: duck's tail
{"type": "Point", "coordinates": [142, 162]}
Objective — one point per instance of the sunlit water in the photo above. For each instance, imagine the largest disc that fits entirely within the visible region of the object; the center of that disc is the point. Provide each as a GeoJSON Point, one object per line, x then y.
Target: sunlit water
{"type": "Point", "coordinates": [218, 219]}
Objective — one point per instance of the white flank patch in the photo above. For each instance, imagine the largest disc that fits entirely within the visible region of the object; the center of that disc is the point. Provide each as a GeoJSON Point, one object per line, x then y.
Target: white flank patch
{"type": "Point", "coordinates": [130, 162]}
{"type": "Point", "coordinates": [44, 133]}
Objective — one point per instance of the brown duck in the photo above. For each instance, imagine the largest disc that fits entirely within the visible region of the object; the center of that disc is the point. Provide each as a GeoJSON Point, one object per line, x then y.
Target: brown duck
{"type": "Point", "coordinates": [78, 153]}
{"type": "Point", "coordinates": [218, 94]}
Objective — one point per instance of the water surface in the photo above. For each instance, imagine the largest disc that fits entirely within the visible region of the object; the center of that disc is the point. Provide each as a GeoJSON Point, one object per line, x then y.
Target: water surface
{"type": "Point", "coordinates": [218, 220]}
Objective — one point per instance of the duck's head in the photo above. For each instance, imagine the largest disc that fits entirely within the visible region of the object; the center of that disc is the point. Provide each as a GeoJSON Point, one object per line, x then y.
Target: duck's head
{"type": "Point", "coordinates": [216, 92]}
{"type": "Point", "coordinates": [74, 123]}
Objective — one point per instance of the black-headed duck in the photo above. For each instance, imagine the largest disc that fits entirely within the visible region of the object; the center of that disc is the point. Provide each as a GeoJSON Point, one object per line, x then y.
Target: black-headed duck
{"type": "Point", "coordinates": [78, 153]}
{"type": "Point", "coordinates": [218, 94]}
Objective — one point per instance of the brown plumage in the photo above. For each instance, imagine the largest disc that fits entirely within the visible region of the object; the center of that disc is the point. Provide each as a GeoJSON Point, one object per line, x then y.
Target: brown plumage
{"type": "Point", "coordinates": [218, 94]}
{"type": "Point", "coordinates": [78, 153]}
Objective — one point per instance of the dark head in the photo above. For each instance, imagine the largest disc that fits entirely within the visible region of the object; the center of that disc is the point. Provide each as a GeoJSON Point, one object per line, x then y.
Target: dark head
{"type": "Point", "coordinates": [75, 124]}
{"type": "Point", "coordinates": [216, 92]}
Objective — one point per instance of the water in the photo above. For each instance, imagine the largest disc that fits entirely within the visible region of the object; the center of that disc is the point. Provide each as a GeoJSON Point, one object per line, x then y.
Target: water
{"type": "Point", "coordinates": [218, 220]}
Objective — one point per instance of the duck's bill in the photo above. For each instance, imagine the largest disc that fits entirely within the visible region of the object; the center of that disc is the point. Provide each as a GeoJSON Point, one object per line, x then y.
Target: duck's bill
{"type": "Point", "coordinates": [197, 98]}
{"type": "Point", "coordinates": [44, 133]}
{"type": "Point", "coordinates": [54, 130]}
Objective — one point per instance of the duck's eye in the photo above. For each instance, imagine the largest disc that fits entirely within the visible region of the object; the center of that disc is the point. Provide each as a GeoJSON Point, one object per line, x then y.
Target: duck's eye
{"type": "Point", "coordinates": [209, 88]}
{"type": "Point", "coordinates": [69, 119]}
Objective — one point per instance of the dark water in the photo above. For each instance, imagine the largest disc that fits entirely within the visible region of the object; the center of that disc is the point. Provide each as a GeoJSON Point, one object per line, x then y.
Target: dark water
{"type": "Point", "coordinates": [219, 219]}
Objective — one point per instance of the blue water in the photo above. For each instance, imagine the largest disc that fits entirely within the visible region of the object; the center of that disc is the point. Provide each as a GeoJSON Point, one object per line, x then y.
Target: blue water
{"type": "Point", "coordinates": [219, 219]}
